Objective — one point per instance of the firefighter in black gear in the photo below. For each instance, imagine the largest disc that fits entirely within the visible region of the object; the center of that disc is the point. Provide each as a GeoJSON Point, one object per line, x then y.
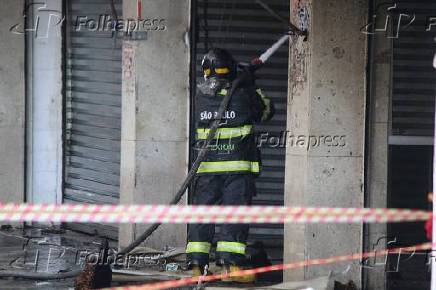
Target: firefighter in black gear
{"type": "Point", "coordinates": [227, 176]}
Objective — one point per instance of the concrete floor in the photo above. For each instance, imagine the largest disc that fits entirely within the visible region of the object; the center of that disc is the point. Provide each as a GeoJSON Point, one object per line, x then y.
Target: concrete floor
{"type": "Point", "coordinates": [42, 251]}
{"type": "Point", "coordinates": [38, 250]}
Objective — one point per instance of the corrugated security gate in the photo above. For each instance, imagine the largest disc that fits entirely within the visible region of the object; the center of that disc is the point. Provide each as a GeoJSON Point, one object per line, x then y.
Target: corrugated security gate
{"type": "Point", "coordinates": [93, 108]}
{"type": "Point", "coordinates": [414, 78]}
{"type": "Point", "coordinates": [246, 30]}
{"type": "Point", "coordinates": [412, 114]}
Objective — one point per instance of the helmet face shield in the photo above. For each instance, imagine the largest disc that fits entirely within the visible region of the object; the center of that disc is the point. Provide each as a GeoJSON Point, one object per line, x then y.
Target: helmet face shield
{"type": "Point", "coordinates": [218, 62]}
{"type": "Point", "coordinates": [222, 70]}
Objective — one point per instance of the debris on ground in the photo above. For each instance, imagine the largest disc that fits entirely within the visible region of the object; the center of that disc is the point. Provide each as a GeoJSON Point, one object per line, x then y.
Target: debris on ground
{"type": "Point", "coordinates": [35, 258]}
{"type": "Point", "coordinates": [30, 258]}
{"type": "Point", "coordinates": [96, 275]}
{"type": "Point", "coordinates": [349, 286]}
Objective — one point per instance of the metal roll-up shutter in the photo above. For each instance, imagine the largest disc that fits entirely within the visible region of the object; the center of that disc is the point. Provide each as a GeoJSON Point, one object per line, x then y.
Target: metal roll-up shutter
{"type": "Point", "coordinates": [410, 180]}
{"type": "Point", "coordinates": [246, 30]}
{"type": "Point", "coordinates": [413, 74]}
{"type": "Point", "coordinates": [93, 110]}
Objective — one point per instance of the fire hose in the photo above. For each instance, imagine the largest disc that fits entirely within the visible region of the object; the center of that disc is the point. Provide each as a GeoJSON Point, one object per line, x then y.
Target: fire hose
{"type": "Point", "coordinates": [246, 74]}
{"type": "Point", "coordinates": [250, 69]}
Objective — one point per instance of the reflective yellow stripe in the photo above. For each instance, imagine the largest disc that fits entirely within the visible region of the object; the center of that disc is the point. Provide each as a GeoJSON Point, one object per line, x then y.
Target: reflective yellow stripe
{"type": "Point", "coordinates": [231, 247]}
{"type": "Point", "coordinates": [267, 103]}
{"type": "Point", "coordinates": [198, 247]}
{"type": "Point", "coordinates": [225, 133]}
{"type": "Point", "coordinates": [207, 72]}
{"type": "Point", "coordinates": [222, 92]}
{"type": "Point", "coordinates": [222, 70]}
{"type": "Point", "coordinates": [228, 166]}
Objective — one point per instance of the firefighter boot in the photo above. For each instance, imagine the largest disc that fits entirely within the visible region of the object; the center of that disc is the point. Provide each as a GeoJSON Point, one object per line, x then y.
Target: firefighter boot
{"type": "Point", "coordinates": [198, 270]}
{"type": "Point", "coordinates": [230, 269]}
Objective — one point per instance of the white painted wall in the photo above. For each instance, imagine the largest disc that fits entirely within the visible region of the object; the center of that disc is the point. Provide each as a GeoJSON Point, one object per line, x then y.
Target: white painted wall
{"type": "Point", "coordinates": [44, 152]}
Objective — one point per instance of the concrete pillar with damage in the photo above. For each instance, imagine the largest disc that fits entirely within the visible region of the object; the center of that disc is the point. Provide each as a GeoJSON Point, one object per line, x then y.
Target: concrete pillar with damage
{"type": "Point", "coordinates": [155, 113]}
{"type": "Point", "coordinates": [12, 101]}
{"type": "Point", "coordinates": [380, 83]}
{"type": "Point", "coordinates": [326, 107]}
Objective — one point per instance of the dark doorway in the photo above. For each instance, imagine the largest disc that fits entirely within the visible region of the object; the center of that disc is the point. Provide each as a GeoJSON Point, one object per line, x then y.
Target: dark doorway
{"type": "Point", "coordinates": [412, 116]}
{"type": "Point", "coordinates": [410, 180]}
{"type": "Point", "coordinates": [245, 29]}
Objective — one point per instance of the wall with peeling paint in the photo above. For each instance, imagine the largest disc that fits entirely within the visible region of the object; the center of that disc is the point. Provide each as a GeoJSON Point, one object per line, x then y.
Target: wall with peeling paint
{"type": "Point", "coordinates": [11, 103]}
{"type": "Point", "coordinates": [327, 90]}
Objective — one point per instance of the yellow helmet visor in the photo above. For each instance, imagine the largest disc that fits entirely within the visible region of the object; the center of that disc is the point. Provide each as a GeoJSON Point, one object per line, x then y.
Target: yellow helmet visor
{"type": "Point", "coordinates": [222, 70]}
{"type": "Point", "coordinates": [207, 72]}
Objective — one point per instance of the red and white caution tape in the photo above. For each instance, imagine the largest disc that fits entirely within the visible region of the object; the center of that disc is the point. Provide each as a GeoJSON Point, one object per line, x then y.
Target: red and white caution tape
{"type": "Point", "coordinates": [315, 262]}
{"type": "Point", "coordinates": [202, 214]}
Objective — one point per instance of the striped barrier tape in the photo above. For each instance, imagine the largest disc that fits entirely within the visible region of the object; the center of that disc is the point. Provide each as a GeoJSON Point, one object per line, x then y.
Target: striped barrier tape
{"type": "Point", "coordinates": [314, 262]}
{"type": "Point", "coordinates": [202, 214]}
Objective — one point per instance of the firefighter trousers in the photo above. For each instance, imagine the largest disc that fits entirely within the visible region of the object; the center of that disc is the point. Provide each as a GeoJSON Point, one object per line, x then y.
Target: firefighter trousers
{"type": "Point", "coordinates": [222, 189]}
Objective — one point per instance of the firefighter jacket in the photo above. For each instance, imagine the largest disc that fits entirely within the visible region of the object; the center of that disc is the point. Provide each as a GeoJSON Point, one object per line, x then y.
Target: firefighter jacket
{"type": "Point", "coordinates": [233, 149]}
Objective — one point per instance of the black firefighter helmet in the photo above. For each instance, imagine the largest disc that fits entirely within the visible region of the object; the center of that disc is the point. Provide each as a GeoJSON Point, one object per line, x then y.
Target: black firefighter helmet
{"type": "Point", "coordinates": [219, 63]}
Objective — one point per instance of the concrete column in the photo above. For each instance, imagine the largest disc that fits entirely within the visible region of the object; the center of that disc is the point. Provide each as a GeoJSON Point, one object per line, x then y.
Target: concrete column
{"type": "Point", "coordinates": [377, 141]}
{"type": "Point", "coordinates": [44, 102]}
{"type": "Point", "coordinates": [327, 89]}
{"type": "Point", "coordinates": [12, 104]}
{"type": "Point", "coordinates": [155, 114]}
